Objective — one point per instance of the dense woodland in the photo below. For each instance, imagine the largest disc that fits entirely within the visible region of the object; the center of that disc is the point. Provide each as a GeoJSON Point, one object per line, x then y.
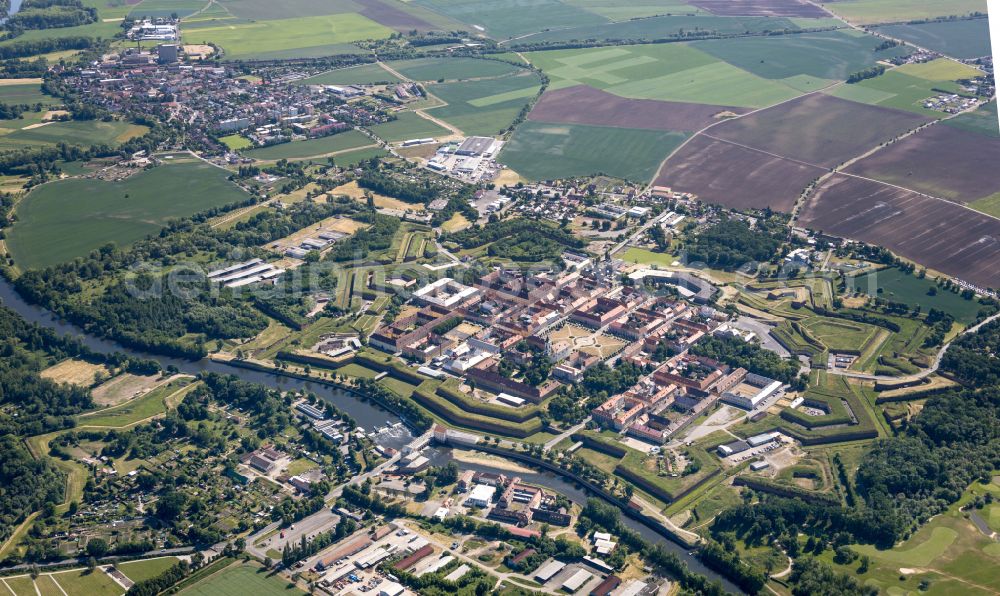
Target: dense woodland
{"type": "Point", "coordinates": [518, 239]}
{"type": "Point", "coordinates": [732, 243]}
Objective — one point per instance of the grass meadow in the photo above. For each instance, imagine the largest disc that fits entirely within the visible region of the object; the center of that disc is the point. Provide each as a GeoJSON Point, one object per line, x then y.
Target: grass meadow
{"type": "Point", "coordinates": [898, 286]}
{"type": "Point", "coordinates": [65, 219]}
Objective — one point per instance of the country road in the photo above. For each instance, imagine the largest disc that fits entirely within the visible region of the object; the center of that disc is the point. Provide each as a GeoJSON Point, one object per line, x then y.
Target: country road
{"type": "Point", "coordinates": [924, 373]}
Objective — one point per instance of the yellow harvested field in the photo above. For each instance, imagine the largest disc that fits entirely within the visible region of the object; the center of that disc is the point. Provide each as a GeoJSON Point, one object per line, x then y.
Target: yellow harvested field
{"type": "Point", "coordinates": [357, 193]}
{"type": "Point", "coordinates": [74, 372]}
{"type": "Point", "coordinates": [6, 82]}
{"type": "Point", "coordinates": [53, 114]}
{"type": "Point", "coordinates": [456, 223]}
{"type": "Point", "coordinates": [123, 388]}
{"type": "Point", "coordinates": [507, 177]}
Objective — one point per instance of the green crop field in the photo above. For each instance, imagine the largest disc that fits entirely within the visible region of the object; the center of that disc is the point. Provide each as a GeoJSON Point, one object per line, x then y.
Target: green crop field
{"type": "Point", "coordinates": [968, 38]}
{"type": "Point", "coordinates": [896, 90]}
{"type": "Point", "coordinates": [365, 74]}
{"type": "Point", "coordinates": [541, 151]}
{"type": "Point", "coordinates": [824, 57]}
{"type": "Point", "coordinates": [97, 29]}
{"type": "Point", "coordinates": [165, 8]}
{"type": "Point", "coordinates": [896, 11]}
{"type": "Point", "coordinates": [984, 120]}
{"type": "Point", "coordinates": [69, 218]}
{"type": "Point", "coordinates": [241, 580]}
{"type": "Point", "coordinates": [286, 38]}
{"type": "Point", "coordinates": [138, 571]}
{"type": "Point", "coordinates": [669, 72]}
{"type": "Point", "coordinates": [29, 93]}
{"type": "Point", "coordinates": [508, 18]}
{"type": "Point", "coordinates": [74, 132]}
{"type": "Point", "coordinates": [433, 69]}
{"type": "Point", "coordinates": [622, 11]}
{"type": "Point", "coordinates": [266, 9]}
{"type": "Point", "coordinates": [406, 126]}
{"type": "Point", "coordinates": [659, 27]}
{"type": "Point", "coordinates": [350, 139]}
{"type": "Point", "coordinates": [484, 107]}
{"type": "Point", "coordinates": [898, 286]}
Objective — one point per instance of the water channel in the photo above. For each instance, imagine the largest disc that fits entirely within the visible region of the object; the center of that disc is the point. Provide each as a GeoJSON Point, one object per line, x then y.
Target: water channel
{"type": "Point", "coordinates": [368, 415]}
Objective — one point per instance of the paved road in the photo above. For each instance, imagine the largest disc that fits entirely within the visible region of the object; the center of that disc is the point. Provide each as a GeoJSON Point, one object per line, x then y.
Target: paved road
{"type": "Point", "coordinates": [922, 374]}
{"type": "Point", "coordinates": [323, 519]}
{"type": "Point", "coordinates": [549, 445]}
{"type": "Point", "coordinates": [763, 331]}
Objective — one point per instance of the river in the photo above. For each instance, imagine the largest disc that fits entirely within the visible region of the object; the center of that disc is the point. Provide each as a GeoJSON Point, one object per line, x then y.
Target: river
{"type": "Point", "coordinates": [441, 455]}
{"type": "Point", "coordinates": [367, 414]}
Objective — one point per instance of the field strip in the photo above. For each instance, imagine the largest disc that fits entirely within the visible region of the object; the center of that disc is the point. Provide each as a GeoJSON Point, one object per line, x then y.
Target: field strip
{"type": "Point", "coordinates": [768, 153]}
{"type": "Point", "coordinates": [421, 113]}
{"type": "Point", "coordinates": [53, 578]}
{"type": "Point", "coordinates": [27, 81]}
{"type": "Point", "coordinates": [330, 154]}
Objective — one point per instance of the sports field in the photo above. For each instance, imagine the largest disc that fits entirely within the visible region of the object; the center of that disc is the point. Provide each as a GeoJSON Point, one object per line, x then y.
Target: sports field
{"type": "Point", "coordinates": [236, 142]}
{"type": "Point", "coordinates": [964, 39]}
{"type": "Point", "coordinates": [897, 11]}
{"type": "Point", "coordinates": [365, 74]}
{"type": "Point", "coordinates": [241, 580]}
{"type": "Point", "coordinates": [69, 218]}
{"type": "Point", "coordinates": [350, 139]}
{"type": "Point", "coordinates": [898, 286]}
{"type": "Point", "coordinates": [672, 72]}
{"type": "Point", "coordinates": [540, 151]}
{"type": "Point", "coordinates": [433, 69]}
{"type": "Point", "coordinates": [484, 107]}
{"type": "Point", "coordinates": [74, 132]}
{"type": "Point", "coordinates": [291, 37]}
{"type": "Point", "coordinates": [644, 256]}
{"type": "Point", "coordinates": [408, 125]}
{"type": "Point", "coordinates": [806, 62]}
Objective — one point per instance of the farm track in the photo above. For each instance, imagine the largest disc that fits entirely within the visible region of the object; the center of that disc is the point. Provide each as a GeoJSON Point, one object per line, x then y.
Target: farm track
{"type": "Point", "coordinates": [456, 132]}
